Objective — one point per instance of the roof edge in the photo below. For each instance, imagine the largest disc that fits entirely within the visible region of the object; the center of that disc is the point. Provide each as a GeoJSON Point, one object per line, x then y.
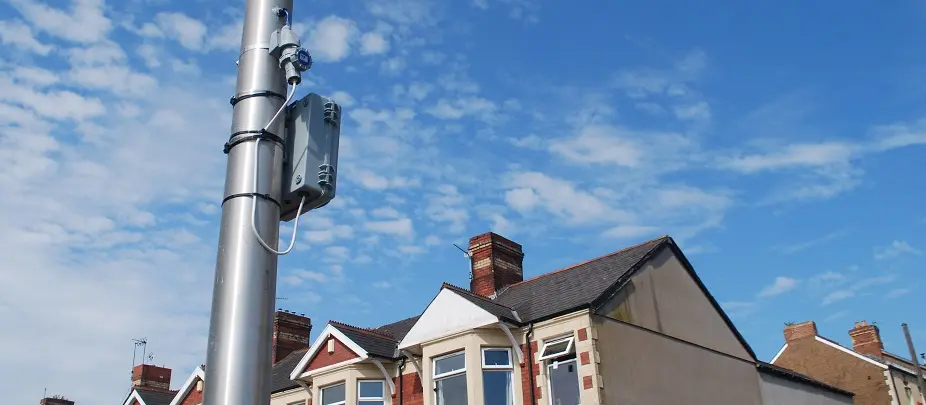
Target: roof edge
{"type": "Point", "coordinates": [798, 377]}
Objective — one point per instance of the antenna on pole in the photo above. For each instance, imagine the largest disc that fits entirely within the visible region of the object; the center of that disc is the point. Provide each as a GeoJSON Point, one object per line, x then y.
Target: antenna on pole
{"type": "Point", "coordinates": [465, 253]}
{"type": "Point", "coordinates": [468, 256]}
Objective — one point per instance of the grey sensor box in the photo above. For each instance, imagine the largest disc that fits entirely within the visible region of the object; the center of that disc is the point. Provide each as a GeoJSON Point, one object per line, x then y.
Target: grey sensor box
{"type": "Point", "coordinates": [310, 159]}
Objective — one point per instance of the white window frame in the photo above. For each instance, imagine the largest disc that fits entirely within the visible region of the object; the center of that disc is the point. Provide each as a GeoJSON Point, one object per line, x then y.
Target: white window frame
{"type": "Point", "coordinates": [549, 381]}
{"type": "Point", "coordinates": [570, 346]}
{"type": "Point", "coordinates": [381, 398]}
{"type": "Point", "coordinates": [321, 393]}
{"type": "Point", "coordinates": [437, 377]}
{"type": "Point", "coordinates": [495, 366]}
{"type": "Point", "coordinates": [449, 373]}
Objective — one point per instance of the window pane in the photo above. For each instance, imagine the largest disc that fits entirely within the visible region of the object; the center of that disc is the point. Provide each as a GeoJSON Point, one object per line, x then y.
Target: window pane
{"type": "Point", "coordinates": [452, 390]}
{"type": "Point", "coordinates": [496, 388]}
{"type": "Point", "coordinates": [496, 357]}
{"type": "Point", "coordinates": [564, 383]}
{"type": "Point", "coordinates": [371, 389]}
{"type": "Point", "coordinates": [558, 347]}
{"type": "Point", "coordinates": [333, 394]}
{"type": "Point", "coordinates": [450, 363]}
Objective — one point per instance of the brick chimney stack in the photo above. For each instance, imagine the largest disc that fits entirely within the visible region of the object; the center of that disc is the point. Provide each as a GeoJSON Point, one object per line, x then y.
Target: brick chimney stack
{"type": "Point", "coordinates": [866, 339]}
{"type": "Point", "coordinates": [290, 333]}
{"type": "Point", "coordinates": [496, 263]}
{"type": "Point", "coordinates": [800, 331]}
{"type": "Point", "coordinates": [56, 400]}
{"type": "Point", "coordinates": [151, 376]}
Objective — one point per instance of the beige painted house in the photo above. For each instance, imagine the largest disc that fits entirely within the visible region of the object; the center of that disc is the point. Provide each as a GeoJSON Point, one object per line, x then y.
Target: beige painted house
{"type": "Point", "coordinates": [632, 327]}
{"type": "Point", "coordinates": [636, 326]}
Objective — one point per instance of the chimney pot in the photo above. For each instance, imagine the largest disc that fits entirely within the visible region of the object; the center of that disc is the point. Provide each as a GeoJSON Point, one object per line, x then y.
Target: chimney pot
{"type": "Point", "coordinates": [800, 331]}
{"type": "Point", "coordinates": [866, 339]}
{"type": "Point", "coordinates": [496, 262]}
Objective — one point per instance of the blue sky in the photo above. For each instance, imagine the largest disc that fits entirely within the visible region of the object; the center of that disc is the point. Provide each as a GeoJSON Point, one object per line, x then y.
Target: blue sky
{"type": "Point", "coordinates": [776, 143]}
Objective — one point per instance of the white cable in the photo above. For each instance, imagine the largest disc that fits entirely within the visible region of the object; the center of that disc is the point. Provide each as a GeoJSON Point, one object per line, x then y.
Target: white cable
{"type": "Point", "coordinates": [292, 241]}
{"type": "Point", "coordinates": [292, 92]}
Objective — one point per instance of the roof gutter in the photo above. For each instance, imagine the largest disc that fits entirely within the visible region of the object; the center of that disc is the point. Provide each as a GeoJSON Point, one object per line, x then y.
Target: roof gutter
{"type": "Point", "coordinates": [530, 364]}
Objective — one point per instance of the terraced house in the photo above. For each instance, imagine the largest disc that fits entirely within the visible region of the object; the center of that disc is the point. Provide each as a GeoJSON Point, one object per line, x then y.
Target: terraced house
{"type": "Point", "coordinates": [631, 327]}
{"type": "Point", "coordinates": [636, 326]}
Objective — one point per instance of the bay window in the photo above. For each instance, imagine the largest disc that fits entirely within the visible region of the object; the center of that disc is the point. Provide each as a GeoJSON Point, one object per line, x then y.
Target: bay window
{"type": "Point", "coordinates": [496, 376]}
{"type": "Point", "coordinates": [333, 395]}
{"type": "Point", "coordinates": [450, 379]}
{"type": "Point", "coordinates": [562, 370]}
{"type": "Point", "coordinates": [371, 392]}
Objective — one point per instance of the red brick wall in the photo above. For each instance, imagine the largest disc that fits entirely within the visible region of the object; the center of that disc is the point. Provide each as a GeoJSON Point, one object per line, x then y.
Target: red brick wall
{"type": "Point", "coordinates": [341, 353]}
{"type": "Point", "coordinates": [800, 331]}
{"type": "Point", "coordinates": [412, 390]}
{"type": "Point", "coordinates": [193, 397]}
{"type": "Point", "coordinates": [526, 383]}
{"type": "Point", "coordinates": [837, 368]}
{"type": "Point", "coordinates": [290, 333]}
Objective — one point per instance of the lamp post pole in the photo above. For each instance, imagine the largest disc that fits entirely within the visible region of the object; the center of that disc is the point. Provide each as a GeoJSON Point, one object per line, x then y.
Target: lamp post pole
{"type": "Point", "coordinates": [239, 342]}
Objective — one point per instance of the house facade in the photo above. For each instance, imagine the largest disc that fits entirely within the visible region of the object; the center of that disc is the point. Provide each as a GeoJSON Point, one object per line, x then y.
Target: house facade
{"type": "Point", "coordinates": [631, 327]}
{"type": "Point", "coordinates": [876, 376]}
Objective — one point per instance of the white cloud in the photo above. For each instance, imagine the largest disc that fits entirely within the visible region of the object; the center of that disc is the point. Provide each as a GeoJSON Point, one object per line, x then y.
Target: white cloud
{"type": "Point", "coordinates": [187, 31]}
{"type": "Point", "coordinates": [330, 39]}
{"type": "Point", "coordinates": [630, 231]}
{"type": "Point", "coordinates": [396, 227]}
{"type": "Point", "coordinates": [895, 249]}
{"type": "Point", "coordinates": [329, 234]}
{"type": "Point", "coordinates": [386, 212]}
{"type": "Point", "coordinates": [20, 35]}
{"type": "Point", "coordinates": [780, 286]}
{"type": "Point", "coordinates": [463, 107]}
{"type": "Point", "coordinates": [343, 98]}
{"type": "Point", "coordinates": [373, 43]}
{"type": "Point", "coordinates": [837, 296]}
{"type": "Point", "coordinates": [84, 23]}
{"type": "Point", "coordinates": [447, 206]}
{"type": "Point", "coordinates": [529, 190]}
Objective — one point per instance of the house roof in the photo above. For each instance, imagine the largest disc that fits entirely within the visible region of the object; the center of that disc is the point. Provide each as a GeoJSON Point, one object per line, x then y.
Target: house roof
{"type": "Point", "coordinates": [574, 287]}
{"type": "Point", "coordinates": [279, 374]}
{"type": "Point", "coordinates": [487, 304]}
{"type": "Point", "coordinates": [584, 285]}
{"type": "Point", "coordinates": [155, 397]}
{"type": "Point", "coordinates": [792, 375]}
{"type": "Point", "coordinates": [374, 342]}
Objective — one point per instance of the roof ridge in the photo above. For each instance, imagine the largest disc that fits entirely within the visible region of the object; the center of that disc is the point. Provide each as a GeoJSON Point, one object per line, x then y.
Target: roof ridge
{"type": "Point", "coordinates": [363, 330]}
{"type": "Point", "coordinates": [480, 296]}
{"type": "Point", "coordinates": [395, 323]}
{"type": "Point", "coordinates": [659, 240]}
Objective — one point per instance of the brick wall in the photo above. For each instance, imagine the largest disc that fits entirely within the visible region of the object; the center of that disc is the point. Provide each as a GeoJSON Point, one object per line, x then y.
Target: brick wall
{"type": "Point", "coordinates": [496, 262]}
{"type": "Point", "coordinates": [837, 368]}
{"type": "Point", "coordinates": [412, 390]}
{"type": "Point", "coordinates": [323, 358]}
{"type": "Point", "coordinates": [193, 397]}
{"type": "Point", "coordinates": [525, 375]}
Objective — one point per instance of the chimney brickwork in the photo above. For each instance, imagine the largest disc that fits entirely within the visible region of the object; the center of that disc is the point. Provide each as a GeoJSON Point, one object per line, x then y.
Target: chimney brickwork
{"type": "Point", "coordinates": [56, 400]}
{"type": "Point", "coordinates": [800, 331]}
{"type": "Point", "coordinates": [151, 376]}
{"type": "Point", "coordinates": [290, 333]}
{"type": "Point", "coordinates": [866, 339]}
{"type": "Point", "coordinates": [497, 262]}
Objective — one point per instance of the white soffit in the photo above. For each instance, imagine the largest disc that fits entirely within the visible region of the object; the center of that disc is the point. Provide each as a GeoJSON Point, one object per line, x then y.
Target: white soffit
{"type": "Point", "coordinates": [448, 313]}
